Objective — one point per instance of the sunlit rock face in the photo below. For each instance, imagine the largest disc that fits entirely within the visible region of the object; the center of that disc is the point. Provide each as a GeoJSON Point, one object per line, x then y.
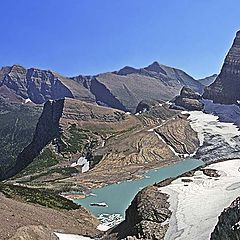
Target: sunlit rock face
{"type": "Point", "coordinates": [188, 100]}
{"type": "Point", "coordinates": [226, 87]}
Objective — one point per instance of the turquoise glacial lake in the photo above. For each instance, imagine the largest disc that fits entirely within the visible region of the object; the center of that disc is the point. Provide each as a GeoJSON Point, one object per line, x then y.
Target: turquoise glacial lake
{"type": "Point", "coordinates": [119, 196]}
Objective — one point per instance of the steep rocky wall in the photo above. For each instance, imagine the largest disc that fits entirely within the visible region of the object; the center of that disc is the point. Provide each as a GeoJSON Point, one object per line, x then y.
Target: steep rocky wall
{"type": "Point", "coordinates": [35, 84]}
{"type": "Point", "coordinates": [46, 130]}
{"type": "Point", "coordinates": [17, 127]}
{"type": "Point", "coordinates": [228, 226]}
{"type": "Point", "coordinates": [104, 96]}
{"type": "Point", "coordinates": [145, 218]}
{"type": "Point", "coordinates": [226, 87]}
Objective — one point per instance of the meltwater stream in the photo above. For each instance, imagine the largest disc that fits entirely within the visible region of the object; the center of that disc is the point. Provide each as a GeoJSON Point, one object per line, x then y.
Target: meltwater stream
{"type": "Point", "coordinates": [119, 196]}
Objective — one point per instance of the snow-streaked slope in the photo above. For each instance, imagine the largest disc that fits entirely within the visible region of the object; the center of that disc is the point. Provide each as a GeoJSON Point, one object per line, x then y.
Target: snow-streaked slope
{"type": "Point", "coordinates": [218, 140]}
{"type": "Point", "coordinates": [225, 113]}
{"type": "Point", "coordinates": [196, 205]}
{"type": "Point", "coordinates": [204, 123]}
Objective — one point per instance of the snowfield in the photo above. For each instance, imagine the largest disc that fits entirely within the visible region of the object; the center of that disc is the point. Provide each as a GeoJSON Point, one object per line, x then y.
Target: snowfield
{"type": "Point", "coordinates": [196, 205]}
{"type": "Point", "coordinates": [205, 123]}
{"type": "Point", "coordinates": [63, 236]}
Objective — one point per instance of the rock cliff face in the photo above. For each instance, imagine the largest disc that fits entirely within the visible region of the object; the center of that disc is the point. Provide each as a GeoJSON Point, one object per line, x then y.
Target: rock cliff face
{"type": "Point", "coordinates": [188, 100]}
{"type": "Point", "coordinates": [39, 85]}
{"type": "Point", "coordinates": [17, 127]}
{"type": "Point", "coordinates": [226, 87]}
{"type": "Point", "coordinates": [46, 130]}
{"type": "Point", "coordinates": [146, 217]}
{"type": "Point", "coordinates": [228, 226]}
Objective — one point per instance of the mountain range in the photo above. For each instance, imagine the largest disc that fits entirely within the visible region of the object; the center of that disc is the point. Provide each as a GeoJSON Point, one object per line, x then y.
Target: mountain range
{"type": "Point", "coordinates": [122, 89]}
{"type": "Point", "coordinates": [65, 135]}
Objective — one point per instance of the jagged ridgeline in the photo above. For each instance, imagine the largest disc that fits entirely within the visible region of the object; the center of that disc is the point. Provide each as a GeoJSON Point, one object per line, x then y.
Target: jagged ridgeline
{"type": "Point", "coordinates": [122, 89]}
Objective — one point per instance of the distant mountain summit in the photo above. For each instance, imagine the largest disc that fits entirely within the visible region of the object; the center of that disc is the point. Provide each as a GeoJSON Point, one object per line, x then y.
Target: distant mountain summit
{"type": "Point", "coordinates": [125, 88]}
{"type": "Point", "coordinates": [226, 88]}
{"type": "Point", "coordinates": [122, 89]}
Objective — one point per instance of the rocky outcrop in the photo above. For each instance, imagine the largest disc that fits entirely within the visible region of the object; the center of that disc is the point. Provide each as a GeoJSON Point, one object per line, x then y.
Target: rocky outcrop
{"type": "Point", "coordinates": [228, 226]}
{"type": "Point", "coordinates": [39, 85]}
{"type": "Point", "coordinates": [226, 88]}
{"type": "Point", "coordinates": [179, 135]}
{"type": "Point", "coordinates": [146, 105]}
{"type": "Point", "coordinates": [146, 217]}
{"type": "Point", "coordinates": [188, 100]}
{"type": "Point", "coordinates": [46, 130]}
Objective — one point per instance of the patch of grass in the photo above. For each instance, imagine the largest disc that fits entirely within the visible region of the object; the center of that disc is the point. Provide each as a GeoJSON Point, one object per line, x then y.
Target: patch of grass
{"type": "Point", "coordinates": [37, 196]}
{"type": "Point", "coordinates": [46, 159]}
{"type": "Point", "coordinates": [76, 140]}
{"type": "Point", "coordinates": [63, 172]}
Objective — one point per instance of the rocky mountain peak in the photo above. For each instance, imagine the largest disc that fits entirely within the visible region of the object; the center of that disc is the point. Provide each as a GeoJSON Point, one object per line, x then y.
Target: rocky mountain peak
{"type": "Point", "coordinates": [226, 88]}
{"type": "Point", "coordinates": [34, 84]}
{"type": "Point", "coordinates": [127, 70]}
{"type": "Point", "coordinates": [155, 67]}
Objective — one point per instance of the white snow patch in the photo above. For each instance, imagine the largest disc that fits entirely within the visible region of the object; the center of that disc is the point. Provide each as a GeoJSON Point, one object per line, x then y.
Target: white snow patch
{"type": "Point", "coordinates": [196, 205]}
{"type": "Point", "coordinates": [127, 113]}
{"type": "Point", "coordinates": [103, 143]}
{"type": "Point", "coordinates": [27, 100]}
{"type": "Point", "coordinates": [63, 236]}
{"type": "Point", "coordinates": [82, 161]}
{"type": "Point", "coordinates": [103, 227]}
{"type": "Point", "coordinates": [110, 220]}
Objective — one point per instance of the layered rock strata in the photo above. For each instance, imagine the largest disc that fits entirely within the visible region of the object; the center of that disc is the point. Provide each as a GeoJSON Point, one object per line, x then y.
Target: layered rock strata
{"type": "Point", "coordinates": [226, 87]}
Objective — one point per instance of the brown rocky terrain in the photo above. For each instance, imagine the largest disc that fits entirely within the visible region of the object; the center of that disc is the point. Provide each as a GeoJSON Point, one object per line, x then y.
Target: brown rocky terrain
{"type": "Point", "coordinates": [146, 218]}
{"type": "Point", "coordinates": [118, 146]}
{"type": "Point", "coordinates": [226, 88]}
{"type": "Point", "coordinates": [20, 220]}
{"type": "Point", "coordinates": [188, 100]}
{"type": "Point", "coordinates": [125, 88]}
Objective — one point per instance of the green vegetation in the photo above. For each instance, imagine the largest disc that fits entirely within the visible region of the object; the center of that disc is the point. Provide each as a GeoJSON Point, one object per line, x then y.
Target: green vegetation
{"type": "Point", "coordinates": [46, 159]}
{"type": "Point", "coordinates": [62, 172]}
{"type": "Point", "coordinates": [76, 140]}
{"type": "Point", "coordinates": [37, 196]}
{"type": "Point", "coordinates": [17, 126]}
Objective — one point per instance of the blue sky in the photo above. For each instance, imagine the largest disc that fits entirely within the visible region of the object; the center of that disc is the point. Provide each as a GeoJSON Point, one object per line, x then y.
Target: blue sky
{"type": "Point", "coordinates": [92, 36]}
